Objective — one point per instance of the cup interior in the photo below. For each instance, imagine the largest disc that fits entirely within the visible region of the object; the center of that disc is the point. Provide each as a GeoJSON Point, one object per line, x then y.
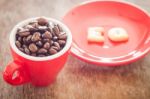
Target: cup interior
{"type": "Point", "coordinates": [12, 39]}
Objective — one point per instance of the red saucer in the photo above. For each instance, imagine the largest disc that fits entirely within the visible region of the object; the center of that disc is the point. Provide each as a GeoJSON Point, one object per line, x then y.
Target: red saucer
{"type": "Point", "coordinates": [109, 14]}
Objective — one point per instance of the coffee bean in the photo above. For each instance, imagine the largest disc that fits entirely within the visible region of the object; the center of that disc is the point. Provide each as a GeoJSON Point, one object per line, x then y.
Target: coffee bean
{"type": "Point", "coordinates": [21, 49]}
{"type": "Point", "coordinates": [24, 40]}
{"type": "Point", "coordinates": [47, 35]}
{"type": "Point", "coordinates": [61, 42]}
{"type": "Point", "coordinates": [42, 21]}
{"type": "Point", "coordinates": [62, 36]}
{"type": "Point", "coordinates": [24, 46]}
{"type": "Point", "coordinates": [33, 54]}
{"type": "Point", "coordinates": [55, 38]}
{"type": "Point", "coordinates": [56, 44]}
{"type": "Point", "coordinates": [56, 30]}
{"type": "Point", "coordinates": [23, 34]}
{"type": "Point", "coordinates": [21, 29]}
{"type": "Point", "coordinates": [26, 50]}
{"type": "Point", "coordinates": [52, 42]}
{"type": "Point", "coordinates": [33, 48]}
{"type": "Point", "coordinates": [47, 45]}
{"type": "Point", "coordinates": [39, 43]}
{"type": "Point", "coordinates": [36, 37]}
{"type": "Point", "coordinates": [52, 51]}
{"type": "Point", "coordinates": [56, 48]}
{"type": "Point", "coordinates": [42, 28]}
{"type": "Point", "coordinates": [19, 39]}
{"type": "Point", "coordinates": [46, 40]}
{"type": "Point", "coordinates": [42, 51]}
{"type": "Point", "coordinates": [60, 28]}
{"type": "Point", "coordinates": [28, 39]}
{"type": "Point", "coordinates": [18, 44]}
{"type": "Point", "coordinates": [31, 28]}
{"type": "Point", "coordinates": [34, 24]}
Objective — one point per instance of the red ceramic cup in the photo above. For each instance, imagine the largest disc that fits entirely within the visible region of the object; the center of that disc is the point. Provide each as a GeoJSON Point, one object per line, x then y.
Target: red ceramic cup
{"type": "Point", "coordinates": [40, 71]}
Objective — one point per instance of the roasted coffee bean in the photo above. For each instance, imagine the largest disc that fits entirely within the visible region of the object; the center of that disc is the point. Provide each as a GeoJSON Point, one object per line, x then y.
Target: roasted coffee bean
{"type": "Point", "coordinates": [21, 49]}
{"type": "Point", "coordinates": [39, 43]}
{"type": "Point", "coordinates": [33, 54]}
{"type": "Point", "coordinates": [42, 51]}
{"type": "Point", "coordinates": [24, 40]}
{"type": "Point", "coordinates": [24, 46]}
{"type": "Point", "coordinates": [26, 50]}
{"type": "Point", "coordinates": [36, 37]}
{"type": "Point", "coordinates": [18, 44]}
{"type": "Point", "coordinates": [47, 45]}
{"type": "Point", "coordinates": [42, 28]}
{"type": "Point", "coordinates": [62, 36]}
{"type": "Point", "coordinates": [55, 38]}
{"type": "Point", "coordinates": [60, 28]}
{"type": "Point", "coordinates": [28, 39]}
{"type": "Point", "coordinates": [23, 34]}
{"type": "Point", "coordinates": [19, 39]}
{"type": "Point", "coordinates": [52, 42]}
{"type": "Point", "coordinates": [33, 48]}
{"type": "Point", "coordinates": [31, 28]}
{"type": "Point", "coordinates": [21, 29]}
{"type": "Point", "coordinates": [41, 55]}
{"type": "Point", "coordinates": [56, 44]}
{"type": "Point", "coordinates": [42, 21]}
{"type": "Point", "coordinates": [34, 24]}
{"type": "Point", "coordinates": [47, 35]}
{"type": "Point", "coordinates": [61, 42]}
{"type": "Point", "coordinates": [56, 30]}
{"type": "Point", "coordinates": [56, 48]}
{"type": "Point", "coordinates": [46, 40]}
{"type": "Point", "coordinates": [52, 51]}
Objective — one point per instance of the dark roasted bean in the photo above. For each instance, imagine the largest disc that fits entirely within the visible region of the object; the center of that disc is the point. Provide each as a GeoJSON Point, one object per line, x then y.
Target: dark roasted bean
{"type": "Point", "coordinates": [56, 44]}
{"type": "Point", "coordinates": [28, 39]}
{"type": "Point", "coordinates": [36, 37]}
{"type": "Point", "coordinates": [56, 30]}
{"type": "Point", "coordinates": [60, 28]}
{"type": "Point", "coordinates": [47, 45]}
{"type": "Point", "coordinates": [56, 48]}
{"type": "Point", "coordinates": [19, 39]}
{"type": "Point", "coordinates": [55, 38]}
{"type": "Point", "coordinates": [46, 40]}
{"type": "Point", "coordinates": [23, 34]}
{"type": "Point", "coordinates": [33, 48]}
{"type": "Point", "coordinates": [62, 36]}
{"type": "Point", "coordinates": [33, 54]}
{"type": "Point", "coordinates": [52, 51]}
{"type": "Point", "coordinates": [26, 50]}
{"type": "Point", "coordinates": [42, 51]}
{"type": "Point", "coordinates": [18, 44]}
{"type": "Point", "coordinates": [24, 46]}
{"type": "Point", "coordinates": [61, 42]}
{"type": "Point", "coordinates": [42, 21]}
{"type": "Point", "coordinates": [21, 49]}
{"type": "Point", "coordinates": [47, 35]}
{"type": "Point", "coordinates": [39, 44]}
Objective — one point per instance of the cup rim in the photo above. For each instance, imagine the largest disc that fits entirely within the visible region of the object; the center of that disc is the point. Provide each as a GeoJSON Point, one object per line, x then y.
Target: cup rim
{"type": "Point", "coordinates": [33, 58]}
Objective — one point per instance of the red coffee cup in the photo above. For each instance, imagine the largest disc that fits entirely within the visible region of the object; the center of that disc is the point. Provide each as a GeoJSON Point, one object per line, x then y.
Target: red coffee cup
{"type": "Point", "coordinates": [40, 71]}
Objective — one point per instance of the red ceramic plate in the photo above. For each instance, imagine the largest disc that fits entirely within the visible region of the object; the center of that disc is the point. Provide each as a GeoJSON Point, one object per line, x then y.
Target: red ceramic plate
{"type": "Point", "coordinates": [109, 14]}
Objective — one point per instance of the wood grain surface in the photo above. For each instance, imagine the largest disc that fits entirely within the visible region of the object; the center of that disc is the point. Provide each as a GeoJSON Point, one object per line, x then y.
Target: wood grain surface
{"type": "Point", "coordinates": [77, 80]}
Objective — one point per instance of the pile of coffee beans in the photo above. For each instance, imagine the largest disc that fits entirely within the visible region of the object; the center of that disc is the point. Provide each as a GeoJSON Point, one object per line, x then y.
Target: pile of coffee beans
{"type": "Point", "coordinates": [40, 38]}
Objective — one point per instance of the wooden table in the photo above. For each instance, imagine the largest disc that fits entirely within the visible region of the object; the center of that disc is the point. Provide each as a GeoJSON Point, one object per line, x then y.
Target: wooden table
{"type": "Point", "coordinates": [77, 80]}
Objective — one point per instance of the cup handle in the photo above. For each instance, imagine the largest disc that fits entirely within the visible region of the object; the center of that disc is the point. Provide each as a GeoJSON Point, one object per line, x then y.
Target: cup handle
{"type": "Point", "coordinates": [14, 74]}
